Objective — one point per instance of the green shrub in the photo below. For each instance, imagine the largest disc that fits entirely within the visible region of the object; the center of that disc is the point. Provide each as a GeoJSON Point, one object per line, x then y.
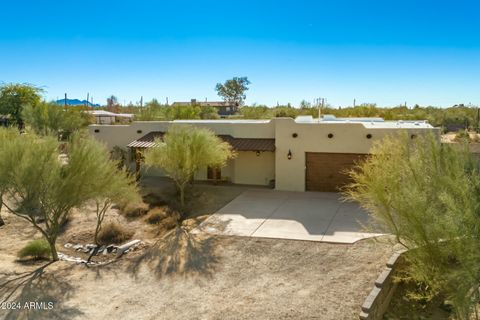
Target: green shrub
{"type": "Point", "coordinates": [113, 232]}
{"type": "Point", "coordinates": [36, 249]}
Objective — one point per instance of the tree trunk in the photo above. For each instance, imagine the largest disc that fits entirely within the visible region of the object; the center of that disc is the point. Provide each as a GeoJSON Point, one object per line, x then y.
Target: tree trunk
{"type": "Point", "coordinates": [182, 196]}
{"type": "Point", "coordinates": [2, 223]}
{"type": "Point", "coordinates": [53, 249]}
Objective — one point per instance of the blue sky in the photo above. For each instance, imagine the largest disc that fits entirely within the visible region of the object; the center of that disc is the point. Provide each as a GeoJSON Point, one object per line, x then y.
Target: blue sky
{"type": "Point", "coordinates": [388, 52]}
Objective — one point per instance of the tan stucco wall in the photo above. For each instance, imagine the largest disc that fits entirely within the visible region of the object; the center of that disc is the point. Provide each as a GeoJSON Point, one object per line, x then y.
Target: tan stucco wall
{"type": "Point", "coordinates": [121, 135]}
{"type": "Point", "coordinates": [313, 137]}
{"type": "Point", "coordinates": [252, 169]}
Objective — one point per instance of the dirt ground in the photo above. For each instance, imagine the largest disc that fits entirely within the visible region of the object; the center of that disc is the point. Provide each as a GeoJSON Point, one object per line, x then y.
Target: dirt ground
{"type": "Point", "coordinates": [185, 276]}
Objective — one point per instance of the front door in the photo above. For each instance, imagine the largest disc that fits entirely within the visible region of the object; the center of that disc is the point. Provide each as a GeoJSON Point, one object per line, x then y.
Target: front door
{"type": "Point", "coordinates": [214, 173]}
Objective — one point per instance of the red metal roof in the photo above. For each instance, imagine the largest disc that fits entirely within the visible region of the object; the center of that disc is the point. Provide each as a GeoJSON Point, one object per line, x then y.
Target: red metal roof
{"type": "Point", "coordinates": [238, 144]}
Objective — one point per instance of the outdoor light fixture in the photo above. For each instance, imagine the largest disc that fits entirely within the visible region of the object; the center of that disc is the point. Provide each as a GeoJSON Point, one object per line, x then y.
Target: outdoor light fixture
{"type": "Point", "coordinates": [295, 135]}
{"type": "Point", "coordinates": [258, 153]}
{"type": "Point", "coordinates": [330, 136]}
{"type": "Point", "coordinates": [289, 154]}
{"type": "Point", "coordinates": [369, 136]}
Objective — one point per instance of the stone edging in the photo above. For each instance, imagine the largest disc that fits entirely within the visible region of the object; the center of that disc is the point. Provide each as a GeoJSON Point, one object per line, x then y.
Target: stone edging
{"type": "Point", "coordinates": [379, 298]}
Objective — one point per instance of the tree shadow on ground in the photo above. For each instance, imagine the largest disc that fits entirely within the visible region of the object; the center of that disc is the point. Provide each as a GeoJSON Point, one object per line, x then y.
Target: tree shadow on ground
{"type": "Point", "coordinates": [48, 290]}
{"type": "Point", "coordinates": [182, 253]}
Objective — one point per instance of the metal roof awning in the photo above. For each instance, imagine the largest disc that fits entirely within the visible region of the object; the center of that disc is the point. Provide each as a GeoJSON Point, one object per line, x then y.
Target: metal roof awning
{"type": "Point", "coordinates": [238, 144]}
{"type": "Point", "coordinates": [147, 141]}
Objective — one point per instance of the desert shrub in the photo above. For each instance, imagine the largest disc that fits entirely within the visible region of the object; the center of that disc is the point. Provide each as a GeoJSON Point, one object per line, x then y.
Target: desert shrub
{"type": "Point", "coordinates": [36, 249]}
{"type": "Point", "coordinates": [171, 221]}
{"type": "Point", "coordinates": [156, 215]}
{"type": "Point", "coordinates": [462, 135]}
{"type": "Point", "coordinates": [114, 232]}
{"type": "Point", "coordinates": [134, 210]}
{"type": "Point", "coordinates": [154, 200]}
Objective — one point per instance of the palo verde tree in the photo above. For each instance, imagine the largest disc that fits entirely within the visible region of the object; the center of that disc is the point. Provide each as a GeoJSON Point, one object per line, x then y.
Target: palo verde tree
{"type": "Point", "coordinates": [114, 186]}
{"type": "Point", "coordinates": [51, 119]}
{"type": "Point", "coordinates": [186, 149]}
{"type": "Point", "coordinates": [6, 135]}
{"type": "Point", "coordinates": [44, 190]}
{"type": "Point", "coordinates": [233, 90]}
{"type": "Point", "coordinates": [427, 195]}
{"type": "Point", "coordinates": [15, 96]}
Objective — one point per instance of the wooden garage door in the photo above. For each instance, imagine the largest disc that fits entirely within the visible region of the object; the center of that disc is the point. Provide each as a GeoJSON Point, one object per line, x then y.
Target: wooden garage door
{"type": "Point", "coordinates": [325, 171]}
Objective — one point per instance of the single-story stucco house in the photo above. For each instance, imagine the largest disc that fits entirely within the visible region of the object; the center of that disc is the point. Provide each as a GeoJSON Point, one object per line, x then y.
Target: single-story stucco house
{"type": "Point", "coordinates": [302, 154]}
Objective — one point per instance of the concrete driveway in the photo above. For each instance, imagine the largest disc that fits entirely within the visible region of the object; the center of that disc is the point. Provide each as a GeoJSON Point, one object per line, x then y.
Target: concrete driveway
{"type": "Point", "coordinates": [314, 216]}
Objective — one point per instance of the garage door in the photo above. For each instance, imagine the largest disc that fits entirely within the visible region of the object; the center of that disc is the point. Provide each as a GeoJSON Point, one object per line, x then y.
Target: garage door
{"type": "Point", "coordinates": [325, 171]}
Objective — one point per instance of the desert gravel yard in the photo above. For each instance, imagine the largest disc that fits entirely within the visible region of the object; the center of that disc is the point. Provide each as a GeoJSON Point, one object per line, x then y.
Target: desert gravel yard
{"type": "Point", "coordinates": [244, 278]}
{"type": "Point", "coordinates": [192, 276]}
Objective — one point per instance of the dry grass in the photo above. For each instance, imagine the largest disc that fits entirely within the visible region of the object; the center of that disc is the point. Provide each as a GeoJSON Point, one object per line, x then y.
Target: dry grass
{"type": "Point", "coordinates": [135, 210]}
{"type": "Point", "coordinates": [156, 215]}
{"type": "Point", "coordinates": [114, 232]}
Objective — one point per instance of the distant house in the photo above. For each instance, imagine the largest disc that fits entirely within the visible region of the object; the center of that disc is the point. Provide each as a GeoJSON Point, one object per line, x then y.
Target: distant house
{"type": "Point", "coordinates": [224, 108]}
{"type": "Point", "coordinates": [106, 117]}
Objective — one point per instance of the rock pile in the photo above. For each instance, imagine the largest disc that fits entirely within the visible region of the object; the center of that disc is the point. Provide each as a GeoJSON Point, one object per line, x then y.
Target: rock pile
{"type": "Point", "coordinates": [104, 250]}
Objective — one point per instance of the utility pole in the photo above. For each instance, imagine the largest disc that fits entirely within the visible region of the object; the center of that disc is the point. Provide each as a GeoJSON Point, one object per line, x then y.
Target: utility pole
{"type": "Point", "coordinates": [141, 101]}
{"type": "Point", "coordinates": [167, 100]}
{"type": "Point", "coordinates": [354, 102]}
{"type": "Point", "coordinates": [65, 100]}
{"type": "Point", "coordinates": [320, 103]}
{"type": "Point", "coordinates": [88, 97]}
{"type": "Point", "coordinates": [478, 119]}
{"type": "Point", "coordinates": [319, 109]}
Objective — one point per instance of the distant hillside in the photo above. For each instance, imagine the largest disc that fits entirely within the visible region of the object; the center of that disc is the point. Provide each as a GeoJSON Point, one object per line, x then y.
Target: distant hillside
{"type": "Point", "coordinates": [76, 102]}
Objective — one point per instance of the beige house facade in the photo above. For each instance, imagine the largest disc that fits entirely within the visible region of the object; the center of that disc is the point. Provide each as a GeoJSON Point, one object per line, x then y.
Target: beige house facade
{"type": "Point", "coordinates": [302, 154]}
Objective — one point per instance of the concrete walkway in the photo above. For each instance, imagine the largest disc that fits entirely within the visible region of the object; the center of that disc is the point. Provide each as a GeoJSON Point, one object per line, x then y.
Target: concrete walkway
{"type": "Point", "coordinates": [314, 216]}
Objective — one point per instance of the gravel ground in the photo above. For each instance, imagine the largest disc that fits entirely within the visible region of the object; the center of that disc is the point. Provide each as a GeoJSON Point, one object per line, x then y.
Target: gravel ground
{"type": "Point", "coordinates": [188, 276]}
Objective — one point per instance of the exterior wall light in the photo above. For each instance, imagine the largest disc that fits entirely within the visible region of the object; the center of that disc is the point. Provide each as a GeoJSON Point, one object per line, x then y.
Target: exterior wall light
{"type": "Point", "coordinates": [289, 154]}
{"type": "Point", "coordinates": [413, 136]}
{"type": "Point", "coordinates": [139, 131]}
{"type": "Point", "coordinates": [369, 136]}
{"type": "Point", "coordinates": [295, 135]}
{"type": "Point", "coordinates": [330, 135]}
{"type": "Point", "coordinates": [97, 130]}
{"type": "Point", "coordinates": [258, 153]}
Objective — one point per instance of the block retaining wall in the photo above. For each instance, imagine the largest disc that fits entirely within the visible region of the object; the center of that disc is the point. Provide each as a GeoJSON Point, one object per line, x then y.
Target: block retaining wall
{"type": "Point", "coordinates": [379, 298]}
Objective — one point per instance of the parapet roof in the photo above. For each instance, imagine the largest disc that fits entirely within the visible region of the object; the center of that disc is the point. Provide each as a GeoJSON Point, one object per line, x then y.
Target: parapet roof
{"type": "Point", "coordinates": [326, 119]}
{"type": "Point", "coordinates": [368, 122]}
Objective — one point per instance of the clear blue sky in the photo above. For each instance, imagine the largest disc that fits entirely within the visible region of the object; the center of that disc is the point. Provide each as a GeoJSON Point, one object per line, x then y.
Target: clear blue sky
{"type": "Point", "coordinates": [388, 52]}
